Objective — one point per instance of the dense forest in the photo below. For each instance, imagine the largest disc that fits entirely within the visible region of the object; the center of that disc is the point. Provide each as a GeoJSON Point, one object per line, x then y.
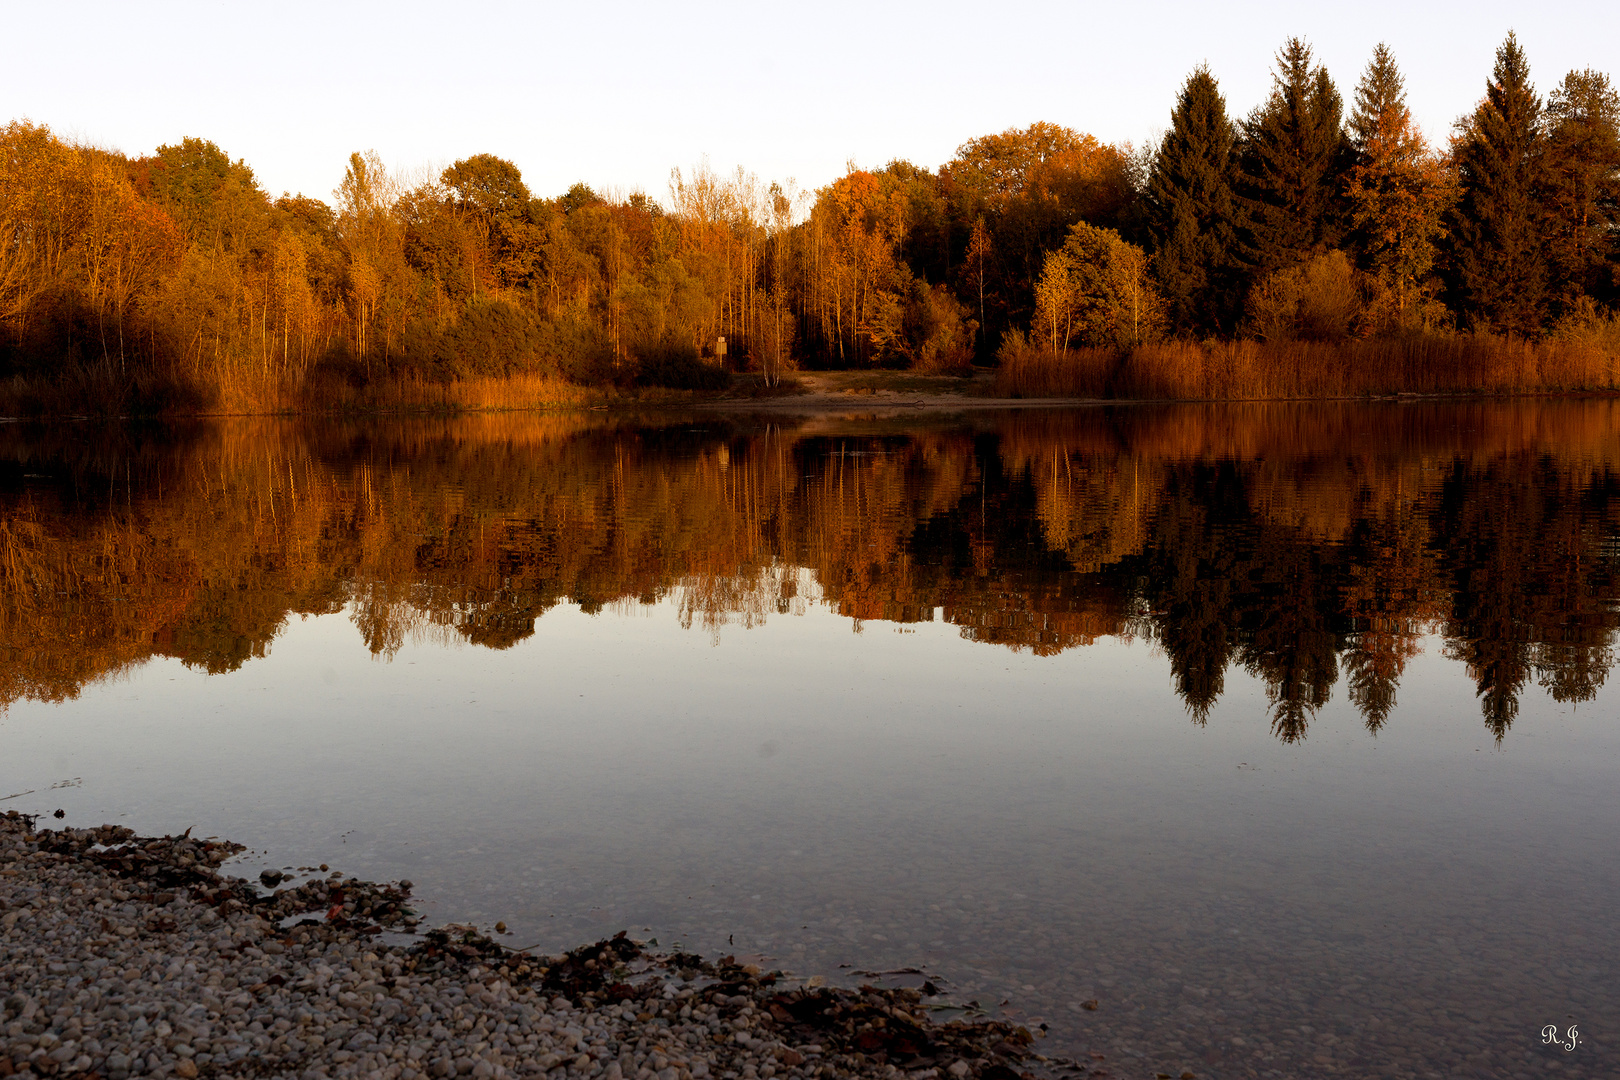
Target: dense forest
{"type": "Point", "coordinates": [1305, 248]}
{"type": "Point", "coordinates": [1311, 546]}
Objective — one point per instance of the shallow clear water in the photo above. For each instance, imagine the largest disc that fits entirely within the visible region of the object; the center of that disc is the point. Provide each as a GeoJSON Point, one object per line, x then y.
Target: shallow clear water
{"type": "Point", "coordinates": [1282, 733]}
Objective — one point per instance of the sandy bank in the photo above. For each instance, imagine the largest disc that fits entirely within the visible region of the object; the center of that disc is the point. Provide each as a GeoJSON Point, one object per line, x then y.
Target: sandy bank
{"type": "Point", "coordinates": [886, 394]}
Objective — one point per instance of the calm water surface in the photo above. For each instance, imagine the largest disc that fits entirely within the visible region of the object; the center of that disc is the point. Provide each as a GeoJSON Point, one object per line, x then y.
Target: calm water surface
{"type": "Point", "coordinates": [1283, 733]}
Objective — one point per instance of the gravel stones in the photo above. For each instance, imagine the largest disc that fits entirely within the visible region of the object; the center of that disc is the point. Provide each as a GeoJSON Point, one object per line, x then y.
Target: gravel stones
{"type": "Point", "coordinates": [125, 956]}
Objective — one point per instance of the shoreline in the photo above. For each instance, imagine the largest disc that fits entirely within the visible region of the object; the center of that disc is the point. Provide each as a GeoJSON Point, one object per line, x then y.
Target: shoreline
{"type": "Point", "coordinates": [125, 956]}
{"type": "Point", "coordinates": [859, 392]}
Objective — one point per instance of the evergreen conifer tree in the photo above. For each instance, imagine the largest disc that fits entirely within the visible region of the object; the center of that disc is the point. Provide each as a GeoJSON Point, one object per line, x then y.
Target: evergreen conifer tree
{"type": "Point", "coordinates": [1583, 188]}
{"type": "Point", "coordinates": [1500, 257]}
{"type": "Point", "coordinates": [1293, 155]}
{"type": "Point", "coordinates": [1190, 209]}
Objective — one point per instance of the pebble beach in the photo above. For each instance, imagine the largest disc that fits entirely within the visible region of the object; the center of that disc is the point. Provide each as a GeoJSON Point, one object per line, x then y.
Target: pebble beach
{"type": "Point", "coordinates": [125, 956]}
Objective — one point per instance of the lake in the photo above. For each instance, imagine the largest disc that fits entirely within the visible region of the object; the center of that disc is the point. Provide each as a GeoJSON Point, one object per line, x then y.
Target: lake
{"type": "Point", "coordinates": [1244, 740]}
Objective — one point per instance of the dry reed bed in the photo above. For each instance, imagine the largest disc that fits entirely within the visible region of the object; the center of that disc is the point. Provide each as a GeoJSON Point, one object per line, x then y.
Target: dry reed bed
{"type": "Point", "coordinates": [1427, 364]}
{"type": "Point", "coordinates": [98, 390]}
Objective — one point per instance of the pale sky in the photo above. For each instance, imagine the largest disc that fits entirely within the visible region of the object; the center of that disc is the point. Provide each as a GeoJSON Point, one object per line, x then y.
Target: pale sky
{"type": "Point", "coordinates": [617, 95]}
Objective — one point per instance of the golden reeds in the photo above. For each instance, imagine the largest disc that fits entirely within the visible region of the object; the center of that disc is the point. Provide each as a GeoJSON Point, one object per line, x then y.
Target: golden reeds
{"type": "Point", "coordinates": [95, 392]}
{"type": "Point", "coordinates": [1420, 364]}
{"type": "Point", "coordinates": [526, 391]}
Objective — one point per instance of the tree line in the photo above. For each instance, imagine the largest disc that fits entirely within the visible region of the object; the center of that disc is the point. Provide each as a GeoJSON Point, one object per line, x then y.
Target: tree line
{"type": "Point", "coordinates": [1267, 224]}
{"type": "Point", "coordinates": [173, 280]}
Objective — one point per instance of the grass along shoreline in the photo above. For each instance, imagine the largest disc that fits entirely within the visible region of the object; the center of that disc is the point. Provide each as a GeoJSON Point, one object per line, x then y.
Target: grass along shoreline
{"type": "Point", "coordinates": [125, 956]}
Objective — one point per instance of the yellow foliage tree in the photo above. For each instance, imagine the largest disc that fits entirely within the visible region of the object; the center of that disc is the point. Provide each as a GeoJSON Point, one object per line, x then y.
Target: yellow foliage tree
{"type": "Point", "coordinates": [1095, 290]}
{"type": "Point", "coordinates": [859, 222]}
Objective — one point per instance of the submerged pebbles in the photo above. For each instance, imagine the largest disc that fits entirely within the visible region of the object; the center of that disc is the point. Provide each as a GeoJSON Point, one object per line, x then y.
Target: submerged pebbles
{"type": "Point", "coordinates": [124, 956]}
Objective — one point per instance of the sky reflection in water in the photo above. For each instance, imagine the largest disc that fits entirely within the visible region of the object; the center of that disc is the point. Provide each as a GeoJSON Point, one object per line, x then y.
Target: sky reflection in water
{"type": "Point", "coordinates": [1280, 725]}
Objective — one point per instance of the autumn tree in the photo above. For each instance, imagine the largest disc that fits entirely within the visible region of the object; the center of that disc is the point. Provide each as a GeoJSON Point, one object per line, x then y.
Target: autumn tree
{"type": "Point", "coordinates": [1029, 185]}
{"type": "Point", "coordinates": [776, 327]}
{"type": "Point", "coordinates": [978, 249]}
{"type": "Point", "coordinates": [489, 184]}
{"type": "Point", "coordinates": [1096, 290]}
{"type": "Point", "coordinates": [1398, 191]}
{"type": "Point", "coordinates": [719, 232]}
{"type": "Point", "coordinates": [315, 225]}
{"type": "Point", "coordinates": [1499, 250]}
{"type": "Point", "coordinates": [217, 202]}
{"type": "Point", "coordinates": [926, 240]}
{"type": "Point", "coordinates": [859, 221]}
{"type": "Point", "coordinates": [1191, 209]}
{"type": "Point", "coordinates": [35, 223]}
{"type": "Point", "coordinates": [79, 251]}
{"type": "Point", "coordinates": [1043, 174]}
{"type": "Point", "coordinates": [488, 192]}
{"type": "Point", "coordinates": [294, 300]}
{"type": "Point", "coordinates": [122, 248]}
{"type": "Point", "coordinates": [374, 245]}
{"type": "Point", "coordinates": [222, 301]}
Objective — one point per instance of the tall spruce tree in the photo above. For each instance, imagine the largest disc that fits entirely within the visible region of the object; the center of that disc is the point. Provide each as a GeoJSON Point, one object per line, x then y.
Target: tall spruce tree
{"type": "Point", "coordinates": [1293, 156]}
{"type": "Point", "coordinates": [1583, 188]}
{"type": "Point", "coordinates": [1190, 209]}
{"type": "Point", "coordinates": [1500, 255]}
{"type": "Point", "coordinates": [1380, 109]}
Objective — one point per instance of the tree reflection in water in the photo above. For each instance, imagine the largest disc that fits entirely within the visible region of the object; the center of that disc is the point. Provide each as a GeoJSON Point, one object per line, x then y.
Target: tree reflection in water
{"type": "Point", "coordinates": [1302, 543]}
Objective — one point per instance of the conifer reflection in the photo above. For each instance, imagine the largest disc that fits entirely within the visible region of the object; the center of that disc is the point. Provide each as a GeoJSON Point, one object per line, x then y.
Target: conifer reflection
{"type": "Point", "coordinates": [1307, 546]}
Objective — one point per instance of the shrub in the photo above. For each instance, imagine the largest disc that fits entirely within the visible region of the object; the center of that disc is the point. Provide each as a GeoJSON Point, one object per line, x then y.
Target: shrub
{"type": "Point", "coordinates": [938, 335]}
{"type": "Point", "coordinates": [678, 366]}
{"type": "Point", "coordinates": [1318, 300]}
{"type": "Point", "coordinates": [579, 352]}
{"type": "Point", "coordinates": [1587, 339]}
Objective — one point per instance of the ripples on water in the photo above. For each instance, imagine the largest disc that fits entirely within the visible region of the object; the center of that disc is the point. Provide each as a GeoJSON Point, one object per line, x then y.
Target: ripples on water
{"type": "Point", "coordinates": [1282, 732]}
